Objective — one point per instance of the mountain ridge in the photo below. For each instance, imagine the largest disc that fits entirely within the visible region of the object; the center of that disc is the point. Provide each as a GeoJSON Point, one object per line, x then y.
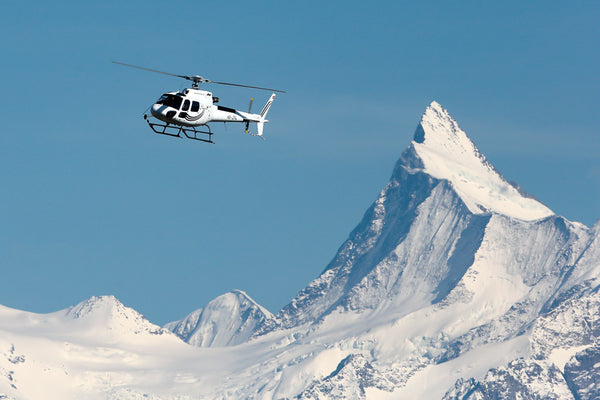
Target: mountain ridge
{"type": "Point", "coordinates": [454, 285]}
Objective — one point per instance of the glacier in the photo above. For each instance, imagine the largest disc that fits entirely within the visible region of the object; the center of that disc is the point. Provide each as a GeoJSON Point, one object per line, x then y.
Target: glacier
{"type": "Point", "coordinates": [456, 284]}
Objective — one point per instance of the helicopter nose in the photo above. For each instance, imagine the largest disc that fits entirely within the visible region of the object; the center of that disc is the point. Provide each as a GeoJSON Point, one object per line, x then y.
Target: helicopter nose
{"type": "Point", "coordinates": [159, 111]}
{"type": "Point", "coordinates": [156, 109]}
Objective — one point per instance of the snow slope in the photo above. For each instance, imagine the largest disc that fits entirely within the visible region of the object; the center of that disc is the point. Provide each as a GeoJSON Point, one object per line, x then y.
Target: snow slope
{"type": "Point", "coordinates": [454, 285]}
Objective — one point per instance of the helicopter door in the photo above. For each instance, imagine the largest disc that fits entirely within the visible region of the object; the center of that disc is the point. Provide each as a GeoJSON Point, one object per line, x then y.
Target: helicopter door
{"type": "Point", "coordinates": [195, 110]}
{"type": "Point", "coordinates": [191, 111]}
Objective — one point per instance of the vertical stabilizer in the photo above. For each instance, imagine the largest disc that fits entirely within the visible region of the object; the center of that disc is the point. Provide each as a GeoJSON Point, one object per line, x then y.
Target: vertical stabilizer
{"type": "Point", "coordinates": [265, 110]}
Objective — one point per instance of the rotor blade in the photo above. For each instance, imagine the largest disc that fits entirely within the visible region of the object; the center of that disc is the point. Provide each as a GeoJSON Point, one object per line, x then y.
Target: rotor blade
{"type": "Point", "coordinates": [153, 70]}
{"type": "Point", "coordinates": [196, 79]}
{"type": "Point", "coordinates": [246, 86]}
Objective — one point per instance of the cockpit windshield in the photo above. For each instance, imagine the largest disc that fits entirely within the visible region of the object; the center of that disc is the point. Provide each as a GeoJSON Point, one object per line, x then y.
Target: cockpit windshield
{"type": "Point", "coordinates": [170, 100]}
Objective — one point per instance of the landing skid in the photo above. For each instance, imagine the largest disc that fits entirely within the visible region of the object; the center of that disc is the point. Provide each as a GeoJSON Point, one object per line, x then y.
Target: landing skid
{"type": "Point", "coordinates": [177, 130]}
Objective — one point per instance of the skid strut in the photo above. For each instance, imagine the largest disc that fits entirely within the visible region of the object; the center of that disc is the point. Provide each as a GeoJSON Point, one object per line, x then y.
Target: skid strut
{"type": "Point", "coordinates": [177, 130]}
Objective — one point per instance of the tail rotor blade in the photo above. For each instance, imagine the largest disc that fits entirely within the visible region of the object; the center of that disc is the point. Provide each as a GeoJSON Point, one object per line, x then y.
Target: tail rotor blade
{"type": "Point", "coordinates": [250, 106]}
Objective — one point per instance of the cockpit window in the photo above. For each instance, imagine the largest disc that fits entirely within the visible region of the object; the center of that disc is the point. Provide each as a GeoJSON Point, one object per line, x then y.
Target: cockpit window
{"type": "Point", "coordinates": [186, 105]}
{"type": "Point", "coordinates": [170, 100]}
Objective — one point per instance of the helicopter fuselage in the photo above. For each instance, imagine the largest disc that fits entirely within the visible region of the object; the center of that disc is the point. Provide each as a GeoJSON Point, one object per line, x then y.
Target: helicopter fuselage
{"type": "Point", "coordinates": [188, 109]}
{"type": "Point", "coordinates": [194, 107]}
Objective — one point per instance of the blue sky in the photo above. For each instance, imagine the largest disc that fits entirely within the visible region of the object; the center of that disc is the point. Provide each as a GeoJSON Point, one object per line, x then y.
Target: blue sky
{"type": "Point", "coordinates": [93, 203]}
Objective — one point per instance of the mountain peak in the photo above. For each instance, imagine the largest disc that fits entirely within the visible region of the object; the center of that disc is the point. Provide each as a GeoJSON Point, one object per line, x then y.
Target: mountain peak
{"type": "Point", "coordinates": [446, 152]}
{"type": "Point", "coordinates": [440, 126]}
{"type": "Point", "coordinates": [105, 305]}
{"type": "Point", "coordinates": [226, 320]}
{"type": "Point", "coordinates": [108, 313]}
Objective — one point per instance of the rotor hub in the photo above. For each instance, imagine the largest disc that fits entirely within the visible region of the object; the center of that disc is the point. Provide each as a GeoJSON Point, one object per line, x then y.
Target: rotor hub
{"type": "Point", "coordinates": [197, 80]}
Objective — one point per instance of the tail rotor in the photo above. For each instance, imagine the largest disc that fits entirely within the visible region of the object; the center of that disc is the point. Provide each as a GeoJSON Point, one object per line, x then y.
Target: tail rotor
{"type": "Point", "coordinates": [249, 112]}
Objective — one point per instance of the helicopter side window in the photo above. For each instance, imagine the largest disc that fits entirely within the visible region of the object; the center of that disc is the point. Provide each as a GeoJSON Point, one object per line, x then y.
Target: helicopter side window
{"type": "Point", "coordinates": [186, 105]}
{"type": "Point", "coordinates": [195, 106]}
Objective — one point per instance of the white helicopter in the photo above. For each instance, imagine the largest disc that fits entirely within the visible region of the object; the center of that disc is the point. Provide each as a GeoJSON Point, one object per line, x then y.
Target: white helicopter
{"type": "Point", "coordinates": [188, 109]}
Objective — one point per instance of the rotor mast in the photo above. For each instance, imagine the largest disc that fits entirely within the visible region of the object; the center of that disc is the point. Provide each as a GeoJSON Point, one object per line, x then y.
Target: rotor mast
{"type": "Point", "coordinates": [196, 81]}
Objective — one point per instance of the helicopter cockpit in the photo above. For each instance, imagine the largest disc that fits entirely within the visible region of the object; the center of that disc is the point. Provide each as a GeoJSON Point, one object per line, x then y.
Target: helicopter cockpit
{"type": "Point", "coordinates": [170, 100]}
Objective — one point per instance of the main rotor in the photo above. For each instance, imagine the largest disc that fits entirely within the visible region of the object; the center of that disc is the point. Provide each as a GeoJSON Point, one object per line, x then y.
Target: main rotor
{"type": "Point", "coordinates": [197, 79]}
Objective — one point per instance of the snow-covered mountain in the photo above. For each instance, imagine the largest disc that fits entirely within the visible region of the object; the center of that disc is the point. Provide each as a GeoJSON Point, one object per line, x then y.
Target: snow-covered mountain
{"type": "Point", "coordinates": [447, 226]}
{"type": "Point", "coordinates": [80, 352]}
{"type": "Point", "coordinates": [456, 284]}
{"type": "Point", "coordinates": [227, 320]}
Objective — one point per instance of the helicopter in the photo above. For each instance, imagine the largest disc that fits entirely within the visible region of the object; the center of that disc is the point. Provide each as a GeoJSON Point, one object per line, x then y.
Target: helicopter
{"type": "Point", "coordinates": [189, 111]}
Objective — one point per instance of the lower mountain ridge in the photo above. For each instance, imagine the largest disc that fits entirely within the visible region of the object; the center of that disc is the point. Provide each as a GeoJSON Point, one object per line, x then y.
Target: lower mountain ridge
{"type": "Point", "coordinates": [455, 285]}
